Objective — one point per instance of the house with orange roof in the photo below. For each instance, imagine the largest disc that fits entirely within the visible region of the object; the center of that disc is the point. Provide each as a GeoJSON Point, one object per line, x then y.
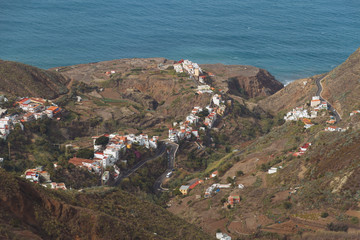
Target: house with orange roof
{"type": "Point", "coordinates": [52, 111]}
{"type": "Point", "coordinates": [57, 186]}
{"type": "Point", "coordinates": [354, 112]}
{"type": "Point", "coordinates": [306, 121]}
{"type": "Point", "coordinates": [331, 129]}
{"type": "Point", "coordinates": [233, 199]}
{"type": "Point", "coordinates": [28, 117]}
{"type": "Point", "coordinates": [214, 174]}
{"type": "Point", "coordinates": [82, 162]}
{"type": "Point", "coordinates": [331, 121]}
{"type": "Point", "coordinates": [315, 101]}
{"type": "Point", "coordinates": [40, 101]}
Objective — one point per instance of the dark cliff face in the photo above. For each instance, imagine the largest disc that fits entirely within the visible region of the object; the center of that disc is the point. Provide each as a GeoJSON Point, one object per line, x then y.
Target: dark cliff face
{"type": "Point", "coordinates": [244, 81]}
{"type": "Point", "coordinates": [24, 80]}
{"type": "Point", "coordinates": [260, 85]}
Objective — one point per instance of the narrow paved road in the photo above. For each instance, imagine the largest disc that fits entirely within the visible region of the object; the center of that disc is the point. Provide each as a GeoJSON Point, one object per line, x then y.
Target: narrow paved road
{"type": "Point", "coordinates": [160, 151]}
{"type": "Point", "coordinates": [318, 93]}
{"type": "Point", "coordinates": [171, 154]}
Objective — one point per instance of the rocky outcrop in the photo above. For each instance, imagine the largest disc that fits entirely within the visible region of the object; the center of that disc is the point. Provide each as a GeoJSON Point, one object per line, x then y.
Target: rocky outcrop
{"type": "Point", "coordinates": [244, 81]}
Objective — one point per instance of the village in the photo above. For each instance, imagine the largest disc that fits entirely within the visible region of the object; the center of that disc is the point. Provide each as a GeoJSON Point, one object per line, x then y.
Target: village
{"type": "Point", "coordinates": [109, 149]}
{"type": "Point", "coordinates": [188, 128]}
{"type": "Point", "coordinates": [306, 114]}
{"type": "Point", "coordinates": [107, 152]}
{"type": "Point", "coordinates": [215, 109]}
{"type": "Point", "coordinates": [31, 109]}
{"type": "Point", "coordinates": [38, 175]}
{"type": "Point", "coordinates": [110, 152]}
{"type": "Point", "coordinates": [298, 114]}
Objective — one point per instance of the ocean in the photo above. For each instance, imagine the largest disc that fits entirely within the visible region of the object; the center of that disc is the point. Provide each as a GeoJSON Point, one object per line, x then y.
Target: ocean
{"type": "Point", "coordinates": [291, 39]}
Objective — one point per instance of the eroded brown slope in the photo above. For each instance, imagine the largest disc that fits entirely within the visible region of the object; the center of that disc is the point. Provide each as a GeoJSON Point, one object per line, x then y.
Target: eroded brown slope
{"type": "Point", "coordinates": [25, 80]}
{"type": "Point", "coordinates": [292, 95]}
{"type": "Point", "coordinates": [342, 85]}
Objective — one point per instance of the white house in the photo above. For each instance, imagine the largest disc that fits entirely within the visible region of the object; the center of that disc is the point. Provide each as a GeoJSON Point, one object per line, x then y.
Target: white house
{"type": "Point", "coordinates": [153, 142]}
{"type": "Point", "coordinates": [272, 170]}
{"type": "Point", "coordinates": [195, 133]}
{"type": "Point", "coordinates": [323, 105]}
{"type": "Point", "coordinates": [2, 112]}
{"type": "Point", "coordinates": [331, 129]}
{"type": "Point", "coordinates": [222, 236]}
{"type": "Point", "coordinates": [56, 186]}
{"type": "Point", "coordinates": [105, 177]}
{"type": "Point", "coordinates": [210, 120]}
{"type": "Point", "coordinates": [217, 99]}
{"type": "Point", "coordinates": [5, 127]}
{"type": "Point", "coordinates": [296, 114]}
{"type": "Point", "coordinates": [113, 150]}
{"type": "Point", "coordinates": [192, 119]}
{"type": "Point", "coordinates": [32, 176]}
{"type": "Point", "coordinates": [313, 114]}
{"type": "Point", "coordinates": [315, 101]}
{"type": "Point", "coordinates": [178, 68]}
{"type": "Point", "coordinates": [173, 135]}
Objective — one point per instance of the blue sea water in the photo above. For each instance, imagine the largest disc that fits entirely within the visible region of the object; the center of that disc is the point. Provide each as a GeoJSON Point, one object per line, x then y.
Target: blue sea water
{"type": "Point", "coordinates": [291, 39]}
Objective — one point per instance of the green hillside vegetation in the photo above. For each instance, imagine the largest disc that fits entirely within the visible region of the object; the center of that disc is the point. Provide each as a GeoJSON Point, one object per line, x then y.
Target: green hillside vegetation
{"type": "Point", "coordinates": [27, 210]}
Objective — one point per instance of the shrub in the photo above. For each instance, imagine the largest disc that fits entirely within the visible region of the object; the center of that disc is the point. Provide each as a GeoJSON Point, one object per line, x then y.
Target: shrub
{"type": "Point", "coordinates": [239, 173]}
{"type": "Point", "coordinates": [102, 141]}
{"type": "Point", "coordinates": [229, 180]}
{"type": "Point", "coordinates": [324, 214]}
{"type": "Point", "coordinates": [85, 153]}
{"type": "Point", "coordinates": [287, 205]}
{"type": "Point", "coordinates": [337, 227]}
{"type": "Point", "coordinates": [354, 220]}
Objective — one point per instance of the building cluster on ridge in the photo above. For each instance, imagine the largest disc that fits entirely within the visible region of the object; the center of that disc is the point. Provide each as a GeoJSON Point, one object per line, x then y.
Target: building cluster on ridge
{"type": "Point", "coordinates": [300, 113]}
{"type": "Point", "coordinates": [34, 108]}
{"type": "Point", "coordinates": [106, 156]}
{"type": "Point", "coordinates": [38, 175]}
{"type": "Point", "coordinates": [187, 128]}
{"type": "Point", "coordinates": [193, 69]}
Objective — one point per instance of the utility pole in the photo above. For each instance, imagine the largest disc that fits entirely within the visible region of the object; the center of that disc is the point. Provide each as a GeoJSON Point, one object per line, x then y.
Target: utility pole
{"type": "Point", "coordinates": [9, 147]}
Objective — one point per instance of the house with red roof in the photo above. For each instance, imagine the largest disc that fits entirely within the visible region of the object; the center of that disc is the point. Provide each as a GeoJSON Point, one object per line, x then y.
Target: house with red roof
{"type": "Point", "coordinates": [233, 199]}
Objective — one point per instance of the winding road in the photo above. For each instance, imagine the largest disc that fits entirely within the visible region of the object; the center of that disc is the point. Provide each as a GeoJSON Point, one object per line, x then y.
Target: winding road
{"type": "Point", "coordinates": [318, 93]}
{"type": "Point", "coordinates": [160, 152]}
{"type": "Point", "coordinates": [171, 154]}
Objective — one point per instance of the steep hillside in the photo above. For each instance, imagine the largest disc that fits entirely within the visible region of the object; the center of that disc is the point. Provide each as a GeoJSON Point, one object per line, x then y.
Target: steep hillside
{"type": "Point", "coordinates": [311, 193]}
{"type": "Point", "coordinates": [295, 94]}
{"type": "Point", "coordinates": [342, 85]}
{"type": "Point", "coordinates": [23, 80]}
{"type": "Point", "coordinates": [341, 88]}
{"type": "Point", "coordinates": [28, 211]}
